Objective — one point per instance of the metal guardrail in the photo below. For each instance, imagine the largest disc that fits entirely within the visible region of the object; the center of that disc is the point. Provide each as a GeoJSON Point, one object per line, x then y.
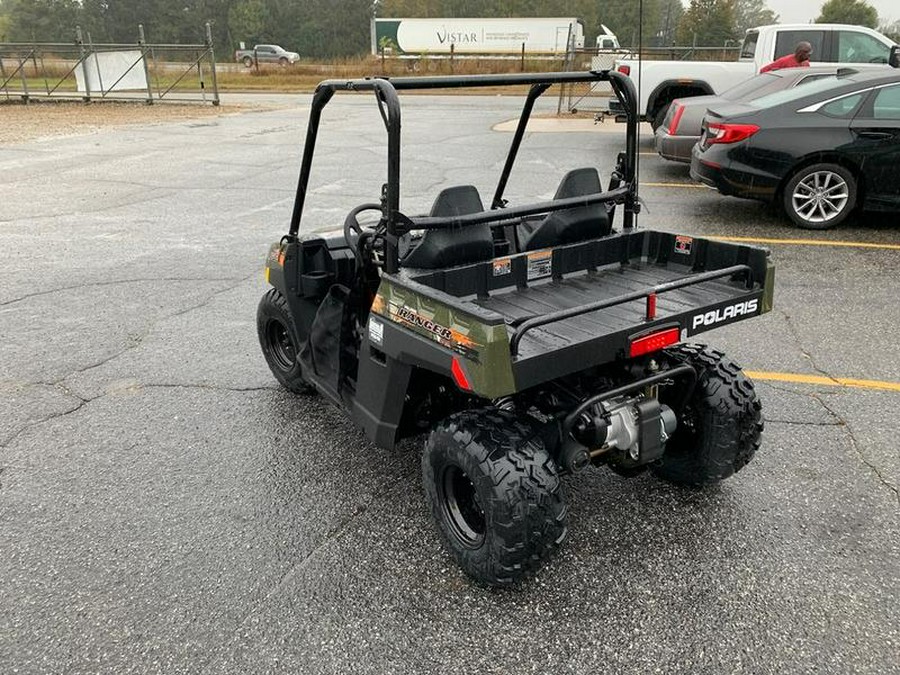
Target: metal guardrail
{"type": "Point", "coordinates": [74, 71]}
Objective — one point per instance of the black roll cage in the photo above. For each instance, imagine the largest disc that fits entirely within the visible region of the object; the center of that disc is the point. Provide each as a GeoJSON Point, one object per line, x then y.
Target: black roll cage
{"type": "Point", "coordinates": [396, 223]}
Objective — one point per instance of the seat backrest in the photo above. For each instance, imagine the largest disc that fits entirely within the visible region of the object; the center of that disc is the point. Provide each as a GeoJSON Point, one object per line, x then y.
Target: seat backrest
{"type": "Point", "coordinates": [572, 225]}
{"type": "Point", "coordinates": [455, 245]}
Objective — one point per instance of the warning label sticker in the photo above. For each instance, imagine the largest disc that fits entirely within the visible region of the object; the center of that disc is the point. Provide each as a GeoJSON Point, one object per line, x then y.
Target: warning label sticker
{"type": "Point", "coordinates": [540, 264]}
{"type": "Point", "coordinates": [502, 266]}
{"type": "Point", "coordinates": [684, 244]}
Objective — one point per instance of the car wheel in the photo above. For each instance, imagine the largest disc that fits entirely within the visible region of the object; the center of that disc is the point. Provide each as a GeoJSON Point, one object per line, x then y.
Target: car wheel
{"type": "Point", "coordinates": [283, 61]}
{"type": "Point", "coordinates": [247, 61]}
{"type": "Point", "coordinates": [820, 196]}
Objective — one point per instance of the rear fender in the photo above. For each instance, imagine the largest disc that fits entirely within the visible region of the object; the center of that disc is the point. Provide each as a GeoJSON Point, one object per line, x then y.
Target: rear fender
{"type": "Point", "coordinates": [421, 330]}
{"type": "Point", "coordinates": [668, 91]}
{"type": "Point", "coordinates": [826, 157]}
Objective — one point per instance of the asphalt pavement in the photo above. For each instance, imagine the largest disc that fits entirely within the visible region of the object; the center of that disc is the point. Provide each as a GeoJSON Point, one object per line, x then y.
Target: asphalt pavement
{"type": "Point", "coordinates": [166, 508]}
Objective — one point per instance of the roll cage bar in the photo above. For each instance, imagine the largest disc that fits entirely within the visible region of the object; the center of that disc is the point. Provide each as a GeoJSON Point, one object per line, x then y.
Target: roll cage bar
{"type": "Point", "coordinates": [623, 188]}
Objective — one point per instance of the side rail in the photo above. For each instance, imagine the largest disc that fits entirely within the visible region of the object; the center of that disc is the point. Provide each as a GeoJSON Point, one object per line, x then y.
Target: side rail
{"type": "Point", "coordinates": [649, 294]}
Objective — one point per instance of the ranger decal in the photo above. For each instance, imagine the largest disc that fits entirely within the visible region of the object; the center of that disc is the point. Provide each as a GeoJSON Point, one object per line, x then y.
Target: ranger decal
{"type": "Point", "coordinates": [447, 337]}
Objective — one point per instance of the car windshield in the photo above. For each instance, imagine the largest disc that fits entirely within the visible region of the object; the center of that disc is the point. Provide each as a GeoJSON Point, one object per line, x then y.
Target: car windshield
{"type": "Point", "coordinates": [779, 97]}
{"type": "Point", "coordinates": [746, 89]}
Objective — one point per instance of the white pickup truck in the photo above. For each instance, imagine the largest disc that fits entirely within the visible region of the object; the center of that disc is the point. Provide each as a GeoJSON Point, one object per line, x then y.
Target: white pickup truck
{"type": "Point", "coordinates": [660, 82]}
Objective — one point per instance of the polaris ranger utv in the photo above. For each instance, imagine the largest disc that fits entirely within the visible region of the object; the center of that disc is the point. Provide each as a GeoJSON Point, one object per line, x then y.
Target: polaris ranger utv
{"type": "Point", "coordinates": [528, 341]}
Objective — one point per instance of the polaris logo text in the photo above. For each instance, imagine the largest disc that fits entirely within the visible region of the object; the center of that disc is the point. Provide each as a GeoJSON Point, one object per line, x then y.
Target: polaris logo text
{"type": "Point", "coordinates": [726, 313]}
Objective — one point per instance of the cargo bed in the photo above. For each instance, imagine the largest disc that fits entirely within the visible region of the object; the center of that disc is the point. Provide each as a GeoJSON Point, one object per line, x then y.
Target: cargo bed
{"type": "Point", "coordinates": [575, 306]}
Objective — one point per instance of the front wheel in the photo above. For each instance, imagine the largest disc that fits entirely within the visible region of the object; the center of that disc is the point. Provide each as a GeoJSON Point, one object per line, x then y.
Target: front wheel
{"type": "Point", "coordinates": [820, 196]}
{"type": "Point", "coordinates": [495, 494]}
{"type": "Point", "coordinates": [282, 62]}
{"type": "Point", "coordinates": [720, 425]}
{"type": "Point", "coordinates": [277, 337]}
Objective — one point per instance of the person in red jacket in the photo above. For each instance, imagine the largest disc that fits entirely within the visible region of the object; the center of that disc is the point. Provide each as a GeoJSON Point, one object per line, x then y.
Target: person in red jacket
{"type": "Point", "coordinates": [799, 59]}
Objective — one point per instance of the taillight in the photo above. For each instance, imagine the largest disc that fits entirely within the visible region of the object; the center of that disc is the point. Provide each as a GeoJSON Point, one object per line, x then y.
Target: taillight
{"type": "Point", "coordinates": [729, 133]}
{"type": "Point", "coordinates": [654, 342]}
{"type": "Point", "coordinates": [676, 118]}
{"type": "Point", "coordinates": [625, 70]}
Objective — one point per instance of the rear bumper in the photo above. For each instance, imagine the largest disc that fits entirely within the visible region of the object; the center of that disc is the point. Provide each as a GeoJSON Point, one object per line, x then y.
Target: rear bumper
{"type": "Point", "coordinates": [675, 148]}
{"type": "Point", "coordinates": [717, 170]}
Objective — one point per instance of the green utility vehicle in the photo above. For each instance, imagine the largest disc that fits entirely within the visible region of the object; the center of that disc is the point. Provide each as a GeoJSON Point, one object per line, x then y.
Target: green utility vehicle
{"type": "Point", "coordinates": [527, 341]}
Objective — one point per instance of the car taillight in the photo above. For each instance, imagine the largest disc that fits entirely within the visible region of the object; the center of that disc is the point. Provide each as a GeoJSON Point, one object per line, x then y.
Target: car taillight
{"type": "Point", "coordinates": [654, 342]}
{"type": "Point", "coordinates": [625, 70]}
{"type": "Point", "coordinates": [729, 133]}
{"type": "Point", "coordinates": [676, 118]}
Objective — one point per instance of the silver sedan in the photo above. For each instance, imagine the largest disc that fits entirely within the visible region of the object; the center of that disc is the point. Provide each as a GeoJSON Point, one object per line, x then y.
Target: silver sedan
{"type": "Point", "coordinates": [681, 128]}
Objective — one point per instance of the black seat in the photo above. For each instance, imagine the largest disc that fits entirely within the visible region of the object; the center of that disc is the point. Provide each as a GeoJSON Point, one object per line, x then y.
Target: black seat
{"type": "Point", "coordinates": [572, 225]}
{"type": "Point", "coordinates": [455, 245]}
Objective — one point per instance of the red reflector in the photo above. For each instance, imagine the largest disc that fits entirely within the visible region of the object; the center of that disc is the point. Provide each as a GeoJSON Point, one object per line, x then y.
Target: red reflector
{"type": "Point", "coordinates": [651, 307]}
{"type": "Point", "coordinates": [654, 342]}
{"type": "Point", "coordinates": [625, 70]}
{"type": "Point", "coordinates": [673, 125]}
{"type": "Point", "coordinates": [459, 375]}
{"type": "Point", "coordinates": [729, 133]}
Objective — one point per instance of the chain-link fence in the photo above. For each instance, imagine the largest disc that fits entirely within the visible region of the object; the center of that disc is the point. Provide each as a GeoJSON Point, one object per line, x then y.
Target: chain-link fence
{"type": "Point", "coordinates": [83, 70]}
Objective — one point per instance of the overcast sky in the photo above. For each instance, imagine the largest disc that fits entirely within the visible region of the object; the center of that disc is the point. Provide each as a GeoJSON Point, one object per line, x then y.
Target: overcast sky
{"type": "Point", "coordinates": [803, 11]}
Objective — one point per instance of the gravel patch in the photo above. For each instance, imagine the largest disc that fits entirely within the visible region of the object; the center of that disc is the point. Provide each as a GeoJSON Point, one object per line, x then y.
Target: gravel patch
{"type": "Point", "coordinates": [42, 120]}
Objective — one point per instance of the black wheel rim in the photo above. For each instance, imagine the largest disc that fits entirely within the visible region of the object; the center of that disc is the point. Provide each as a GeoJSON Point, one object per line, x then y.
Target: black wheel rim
{"type": "Point", "coordinates": [280, 345]}
{"type": "Point", "coordinates": [461, 506]}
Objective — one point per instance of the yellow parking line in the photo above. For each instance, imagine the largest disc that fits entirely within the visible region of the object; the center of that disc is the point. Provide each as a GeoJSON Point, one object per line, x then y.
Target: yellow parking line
{"type": "Point", "coordinates": [675, 185]}
{"type": "Point", "coordinates": [808, 242]}
{"type": "Point", "coordinates": [795, 378]}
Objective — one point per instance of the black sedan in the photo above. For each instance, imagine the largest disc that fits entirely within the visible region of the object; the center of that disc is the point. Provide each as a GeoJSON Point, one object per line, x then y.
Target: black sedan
{"type": "Point", "coordinates": [820, 150]}
{"type": "Point", "coordinates": [676, 137]}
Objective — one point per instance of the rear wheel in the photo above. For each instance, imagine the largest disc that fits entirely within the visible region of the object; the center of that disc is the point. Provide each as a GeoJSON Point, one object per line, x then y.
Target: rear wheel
{"type": "Point", "coordinates": [495, 494]}
{"type": "Point", "coordinates": [277, 337]}
{"type": "Point", "coordinates": [248, 61]}
{"type": "Point", "coordinates": [719, 428]}
{"type": "Point", "coordinates": [820, 196]}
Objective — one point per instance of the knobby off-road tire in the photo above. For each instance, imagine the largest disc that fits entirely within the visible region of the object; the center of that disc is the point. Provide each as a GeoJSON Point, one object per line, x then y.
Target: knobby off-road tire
{"type": "Point", "coordinates": [719, 430]}
{"type": "Point", "coordinates": [277, 337]}
{"type": "Point", "coordinates": [495, 494]}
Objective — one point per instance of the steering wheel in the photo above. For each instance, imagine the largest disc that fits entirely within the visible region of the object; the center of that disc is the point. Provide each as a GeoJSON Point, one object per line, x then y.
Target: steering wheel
{"type": "Point", "coordinates": [352, 228]}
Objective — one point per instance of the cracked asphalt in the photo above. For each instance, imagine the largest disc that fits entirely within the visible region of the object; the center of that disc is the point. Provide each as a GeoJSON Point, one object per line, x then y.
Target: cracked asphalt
{"type": "Point", "coordinates": [166, 508]}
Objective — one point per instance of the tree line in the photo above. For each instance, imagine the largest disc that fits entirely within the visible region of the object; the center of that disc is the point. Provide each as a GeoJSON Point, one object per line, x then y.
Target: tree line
{"type": "Point", "coordinates": [340, 28]}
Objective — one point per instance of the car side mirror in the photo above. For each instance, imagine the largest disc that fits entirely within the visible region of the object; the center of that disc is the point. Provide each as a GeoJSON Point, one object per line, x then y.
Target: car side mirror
{"type": "Point", "coordinates": [894, 58]}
